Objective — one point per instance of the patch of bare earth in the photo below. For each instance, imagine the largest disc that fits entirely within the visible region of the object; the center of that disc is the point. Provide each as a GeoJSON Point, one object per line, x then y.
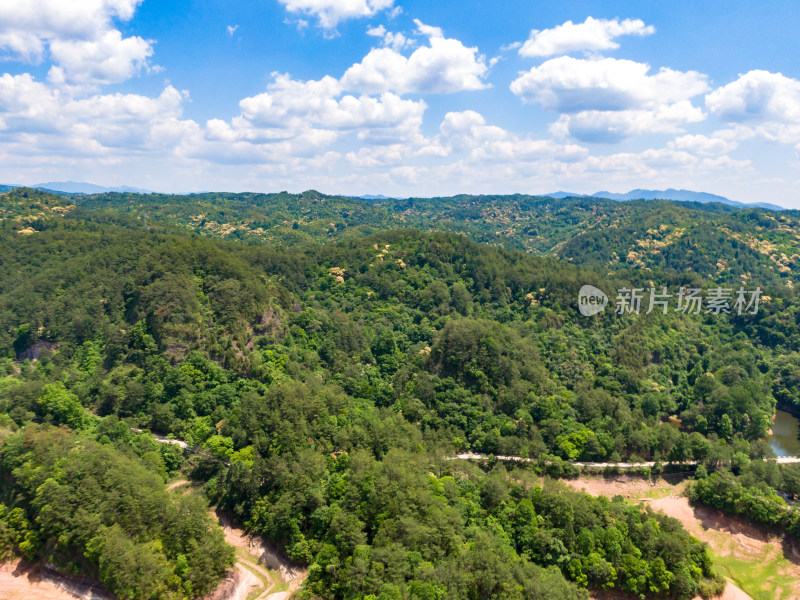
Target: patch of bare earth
{"type": "Point", "coordinates": [725, 535]}
{"type": "Point", "coordinates": [20, 580]}
{"type": "Point", "coordinates": [729, 536]}
{"type": "Point", "coordinates": [631, 488]}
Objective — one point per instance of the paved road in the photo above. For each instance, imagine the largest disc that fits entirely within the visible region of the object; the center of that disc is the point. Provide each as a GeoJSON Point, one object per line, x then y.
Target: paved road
{"type": "Point", "coordinates": [473, 456]}
{"type": "Point", "coordinates": [602, 465]}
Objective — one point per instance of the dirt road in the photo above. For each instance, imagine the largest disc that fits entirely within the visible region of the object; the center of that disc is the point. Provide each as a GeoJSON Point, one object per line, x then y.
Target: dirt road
{"type": "Point", "coordinates": [260, 573]}
{"type": "Point", "coordinates": [272, 570]}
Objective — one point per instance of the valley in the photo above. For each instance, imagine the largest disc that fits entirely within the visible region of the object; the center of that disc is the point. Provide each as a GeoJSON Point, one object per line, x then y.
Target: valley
{"type": "Point", "coordinates": [385, 407]}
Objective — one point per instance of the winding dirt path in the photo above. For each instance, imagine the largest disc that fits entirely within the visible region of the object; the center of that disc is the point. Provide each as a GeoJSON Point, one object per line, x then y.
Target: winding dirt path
{"type": "Point", "coordinates": [253, 559]}
{"type": "Point", "coordinates": [176, 484]}
{"type": "Point", "coordinates": [256, 556]}
{"type": "Point", "coordinates": [162, 439]}
{"type": "Point", "coordinates": [237, 586]}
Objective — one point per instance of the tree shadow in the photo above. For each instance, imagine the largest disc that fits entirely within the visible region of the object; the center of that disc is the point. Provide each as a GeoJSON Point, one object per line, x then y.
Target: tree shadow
{"type": "Point", "coordinates": [23, 568]}
{"type": "Point", "coordinates": [712, 518]}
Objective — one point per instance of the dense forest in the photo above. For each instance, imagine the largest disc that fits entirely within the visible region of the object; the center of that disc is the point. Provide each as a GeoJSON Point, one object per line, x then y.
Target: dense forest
{"type": "Point", "coordinates": [103, 510]}
{"type": "Point", "coordinates": [719, 242]}
{"type": "Point", "coordinates": [323, 386]}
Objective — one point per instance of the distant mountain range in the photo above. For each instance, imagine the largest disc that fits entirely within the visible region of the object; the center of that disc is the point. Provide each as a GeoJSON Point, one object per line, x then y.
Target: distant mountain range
{"type": "Point", "coordinates": [82, 187]}
{"type": "Point", "coordinates": [77, 187]}
{"type": "Point", "coordinates": [377, 197]}
{"type": "Point", "coordinates": [669, 194]}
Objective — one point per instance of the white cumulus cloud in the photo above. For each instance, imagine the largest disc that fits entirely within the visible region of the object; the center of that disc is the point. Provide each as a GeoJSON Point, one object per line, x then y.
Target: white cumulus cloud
{"type": "Point", "coordinates": [759, 104]}
{"type": "Point", "coordinates": [705, 145]}
{"type": "Point", "coordinates": [757, 96]}
{"type": "Point", "coordinates": [303, 118]}
{"type": "Point", "coordinates": [607, 126]}
{"type": "Point", "coordinates": [607, 99]}
{"type": "Point", "coordinates": [468, 129]}
{"type": "Point", "coordinates": [297, 104]}
{"type": "Point", "coordinates": [27, 105]}
{"type": "Point", "coordinates": [659, 166]}
{"type": "Point", "coordinates": [567, 84]}
{"type": "Point", "coordinates": [443, 67]}
{"type": "Point", "coordinates": [593, 34]}
{"type": "Point", "coordinates": [22, 44]}
{"type": "Point", "coordinates": [82, 40]}
{"type": "Point", "coordinates": [330, 13]}
{"type": "Point", "coordinates": [396, 40]}
{"type": "Point", "coordinates": [108, 59]}
{"type": "Point", "coordinates": [39, 118]}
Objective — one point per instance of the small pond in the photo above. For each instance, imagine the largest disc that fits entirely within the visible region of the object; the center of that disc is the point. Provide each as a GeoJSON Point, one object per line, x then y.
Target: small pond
{"type": "Point", "coordinates": [784, 434]}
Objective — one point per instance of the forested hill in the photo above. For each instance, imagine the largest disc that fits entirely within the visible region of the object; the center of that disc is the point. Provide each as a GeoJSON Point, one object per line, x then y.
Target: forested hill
{"type": "Point", "coordinates": [324, 387]}
{"type": "Point", "coordinates": [726, 244]}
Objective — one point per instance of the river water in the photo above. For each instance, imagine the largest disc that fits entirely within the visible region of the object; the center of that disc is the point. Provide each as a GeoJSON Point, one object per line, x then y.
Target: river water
{"type": "Point", "coordinates": [784, 434]}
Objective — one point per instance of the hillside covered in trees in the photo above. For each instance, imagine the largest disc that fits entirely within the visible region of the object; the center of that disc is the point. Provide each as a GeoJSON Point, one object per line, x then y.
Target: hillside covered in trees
{"type": "Point", "coordinates": [722, 243]}
{"type": "Point", "coordinates": [324, 388]}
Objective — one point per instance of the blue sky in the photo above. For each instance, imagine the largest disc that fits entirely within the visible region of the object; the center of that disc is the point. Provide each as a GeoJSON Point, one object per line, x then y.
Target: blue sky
{"type": "Point", "coordinates": [403, 97]}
